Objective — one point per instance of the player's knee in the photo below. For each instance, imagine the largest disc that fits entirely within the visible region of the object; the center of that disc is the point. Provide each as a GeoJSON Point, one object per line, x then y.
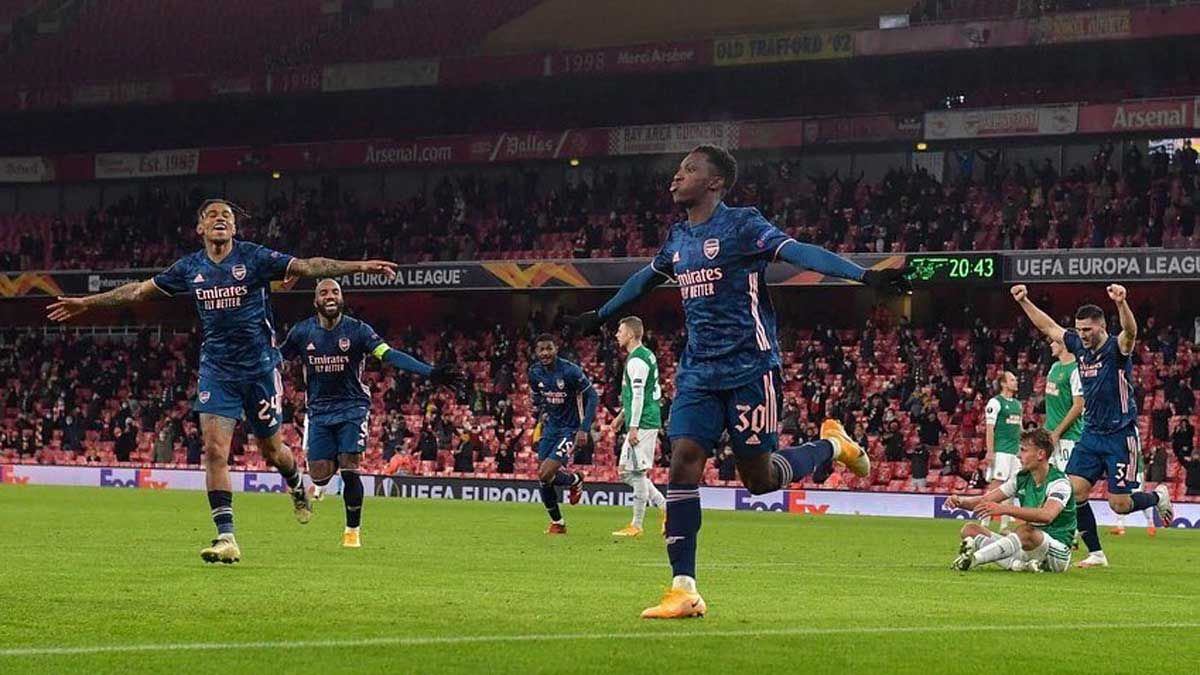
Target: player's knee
{"type": "Point", "coordinates": [759, 485]}
{"type": "Point", "coordinates": [546, 476]}
{"type": "Point", "coordinates": [348, 461]}
{"type": "Point", "coordinates": [215, 455]}
{"type": "Point", "coordinates": [321, 471]}
{"type": "Point", "coordinates": [1029, 536]}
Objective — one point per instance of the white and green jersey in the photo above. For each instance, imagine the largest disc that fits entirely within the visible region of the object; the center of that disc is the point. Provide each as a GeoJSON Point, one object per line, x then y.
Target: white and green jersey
{"type": "Point", "coordinates": [1005, 414]}
{"type": "Point", "coordinates": [640, 393]}
{"type": "Point", "coordinates": [1062, 385]}
{"type": "Point", "coordinates": [1032, 496]}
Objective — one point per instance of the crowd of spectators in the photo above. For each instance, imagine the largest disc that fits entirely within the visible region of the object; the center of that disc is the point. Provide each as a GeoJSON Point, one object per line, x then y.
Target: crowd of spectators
{"type": "Point", "coordinates": [1150, 201]}
{"type": "Point", "coordinates": [913, 395]}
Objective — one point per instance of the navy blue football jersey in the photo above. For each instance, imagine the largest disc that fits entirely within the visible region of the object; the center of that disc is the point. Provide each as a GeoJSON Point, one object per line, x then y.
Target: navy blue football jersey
{"type": "Point", "coordinates": [1109, 405]}
{"type": "Point", "coordinates": [559, 393]}
{"type": "Point", "coordinates": [233, 298]}
{"type": "Point", "coordinates": [720, 266]}
{"type": "Point", "coordinates": [333, 366]}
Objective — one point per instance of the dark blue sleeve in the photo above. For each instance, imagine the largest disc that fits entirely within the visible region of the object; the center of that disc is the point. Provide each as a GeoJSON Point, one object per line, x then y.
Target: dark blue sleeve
{"type": "Point", "coordinates": [270, 265]}
{"type": "Point", "coordinates": [407, 362]}
{"type": "Point", "coordinates": [584, 388]}
{"type": "Point", "coordinates": [534, 392]}
{"type": "Point", "coordinates": [368, 338]}
{"type": "Point", "coordinates": [1071, 341]}
{"type": "Point", "coordinates": [174, 279]}
{"type": "Point", "coordinates": [642, 282]}
{"type": "Point", "coordinates": [290, 348]}
{"type": "Point", "coordinates": [761, 238]}
{"type": "Point", "coordinates": [664, 260]}
{"type": "Point", "coordinates": [818, 259]}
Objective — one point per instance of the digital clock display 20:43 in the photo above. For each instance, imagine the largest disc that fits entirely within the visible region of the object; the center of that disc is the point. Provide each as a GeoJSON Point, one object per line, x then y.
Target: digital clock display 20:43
{"type": "Point", "coordinates": [954, 268]}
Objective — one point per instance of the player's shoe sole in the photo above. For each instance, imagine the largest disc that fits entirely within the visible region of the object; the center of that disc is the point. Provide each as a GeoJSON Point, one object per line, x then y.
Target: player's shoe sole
{"type": "Point", "coordinates": [302, 506]}
{"type": "Point", "coordinates": [1166, 510]}
{"type": "Point", "coordinates": [1117, 532]}
{"type": "Point", "coordinates": [223, 551]}
{"type": "Point", "coordinates": [576, 491]}
{"type": "Point", "coordinates": [556, 528]}
{"type": "Point", "coordinates": [1151, 532]}
{"type": "Point", "coordinates": [966, 555]}
{"type": "Point", "coordinates": [846, 451]}
{"type": "Point", "coordinates": [351, 540]}
{"type": "Point", "coordinates": [629, 531]}
{"type": "Point", "coordinates": [677, 604]}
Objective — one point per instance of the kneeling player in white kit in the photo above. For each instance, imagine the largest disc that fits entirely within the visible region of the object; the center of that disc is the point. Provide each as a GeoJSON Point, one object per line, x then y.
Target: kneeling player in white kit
{"type": "Point", "coordinates": [1047, 507]}
{"type": "Point", "coordinates": [642, 416]}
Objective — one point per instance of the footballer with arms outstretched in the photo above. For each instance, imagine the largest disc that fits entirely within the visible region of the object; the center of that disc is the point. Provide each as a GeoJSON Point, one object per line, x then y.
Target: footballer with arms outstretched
{"type": "Point", "coordinates": [728, 378]}
{"type": "Point", "coordinates": [230, 281]}
{"type": "Point", "coordinates": [334, 349]}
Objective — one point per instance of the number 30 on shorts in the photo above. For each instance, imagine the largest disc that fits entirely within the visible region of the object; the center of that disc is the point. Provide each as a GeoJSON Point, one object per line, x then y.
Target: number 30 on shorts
{"type": "Point", "coordinates": [754, 419]}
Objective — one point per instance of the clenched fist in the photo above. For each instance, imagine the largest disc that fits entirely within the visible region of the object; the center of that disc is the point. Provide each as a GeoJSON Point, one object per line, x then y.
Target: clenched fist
{"type": "Point", "coordinates": [1019, 292]}
{"type": "Point", "coordinates": [1116, 292]}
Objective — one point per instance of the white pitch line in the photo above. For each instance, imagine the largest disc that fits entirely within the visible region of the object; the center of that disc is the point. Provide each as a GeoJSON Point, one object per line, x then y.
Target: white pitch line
{"type": "Point", "coordinates": [486, 639]}
{"type": "Point", "coordinates": [808, 571]}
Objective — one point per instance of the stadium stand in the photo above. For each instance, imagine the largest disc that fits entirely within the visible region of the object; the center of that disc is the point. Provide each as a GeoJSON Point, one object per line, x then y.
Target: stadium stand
{"type": "Point", "coordinates": [55, 413]}
{"type": "Point", "coordinates": [1022, 206]}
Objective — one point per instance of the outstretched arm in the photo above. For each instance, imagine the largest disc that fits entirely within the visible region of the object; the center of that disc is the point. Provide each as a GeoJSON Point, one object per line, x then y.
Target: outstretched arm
{"type": "Point", "coordinates": [820, 260]}
{"type": "Point", "coordinates": [642, 282]}
{"type": "Point", "coordinates": [1040, 320]}
{"type": "Point", "coordinates": [402, 360]}
{"type": "Point", "coordinates": [1129, 327]}
{"type": "Point", "coordinates": [134, 291]}
{"type": "Point", "coordinates": [328, 267]}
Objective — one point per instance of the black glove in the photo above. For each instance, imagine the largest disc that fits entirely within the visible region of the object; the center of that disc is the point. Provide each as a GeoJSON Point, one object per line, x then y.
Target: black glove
{"type": "Point", "coordinates": [892, 280]}
{"type": "Point", "coordinates": [586, 323]}
{"type": "Point", "coordinates": [446, 375]}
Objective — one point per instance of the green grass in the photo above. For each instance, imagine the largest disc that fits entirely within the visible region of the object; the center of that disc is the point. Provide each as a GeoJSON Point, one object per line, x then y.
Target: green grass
{"type": "Point", "coordinates": [84, 567]}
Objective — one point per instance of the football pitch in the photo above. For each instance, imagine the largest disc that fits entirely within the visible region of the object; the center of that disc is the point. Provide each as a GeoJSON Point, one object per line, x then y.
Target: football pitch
{"type": "Point", "coordinates": [107, 580]}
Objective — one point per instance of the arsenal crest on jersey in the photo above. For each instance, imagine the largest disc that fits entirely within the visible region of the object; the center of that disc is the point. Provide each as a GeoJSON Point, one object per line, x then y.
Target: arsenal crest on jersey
{"type": "Point", "coordinates": [344, 344]}
{"type": "Point", "coordinates": [203, 396]}
{"type": "Point", "coordinates": [711, 248]}
{"type": "Point", "coordinates": [239, 271]}
{"type": "Point", "coordinates": [561, 383]}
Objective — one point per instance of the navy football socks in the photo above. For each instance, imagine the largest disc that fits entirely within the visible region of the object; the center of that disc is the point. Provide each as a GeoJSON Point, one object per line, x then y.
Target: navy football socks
{"type": "Point", "coordinates": [793, 464]}
{"type": "Point", "coordinates": [221, 503]}
{"type": "Point", "coordinates": [683, 526]}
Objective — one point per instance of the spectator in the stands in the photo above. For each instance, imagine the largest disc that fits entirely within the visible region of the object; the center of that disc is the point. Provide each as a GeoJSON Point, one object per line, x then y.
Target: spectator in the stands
{"type": "Point", "coordinates": [1183, 440]}
{"type": "Point", "coordinates": [506, 454]}
{"type": "Point", "coordinates": [464, 458]}
{"type": "Point", "coordinates": [951, 461]}
{"type": "Point", "coordinates": [1156, 464]}
{"type": "Point", "coordinates": [193, 445]}
{"type": "Point", "coordinates": [125, 441]}
{"type": "Point", "coordinates": [427, 445]}
{"type": "Point", "coordinates": [893, 443]}
{"type": "Point", "coordinates": [1192, 467]}
{"type": "Point", "coordinates": [919, 458]}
